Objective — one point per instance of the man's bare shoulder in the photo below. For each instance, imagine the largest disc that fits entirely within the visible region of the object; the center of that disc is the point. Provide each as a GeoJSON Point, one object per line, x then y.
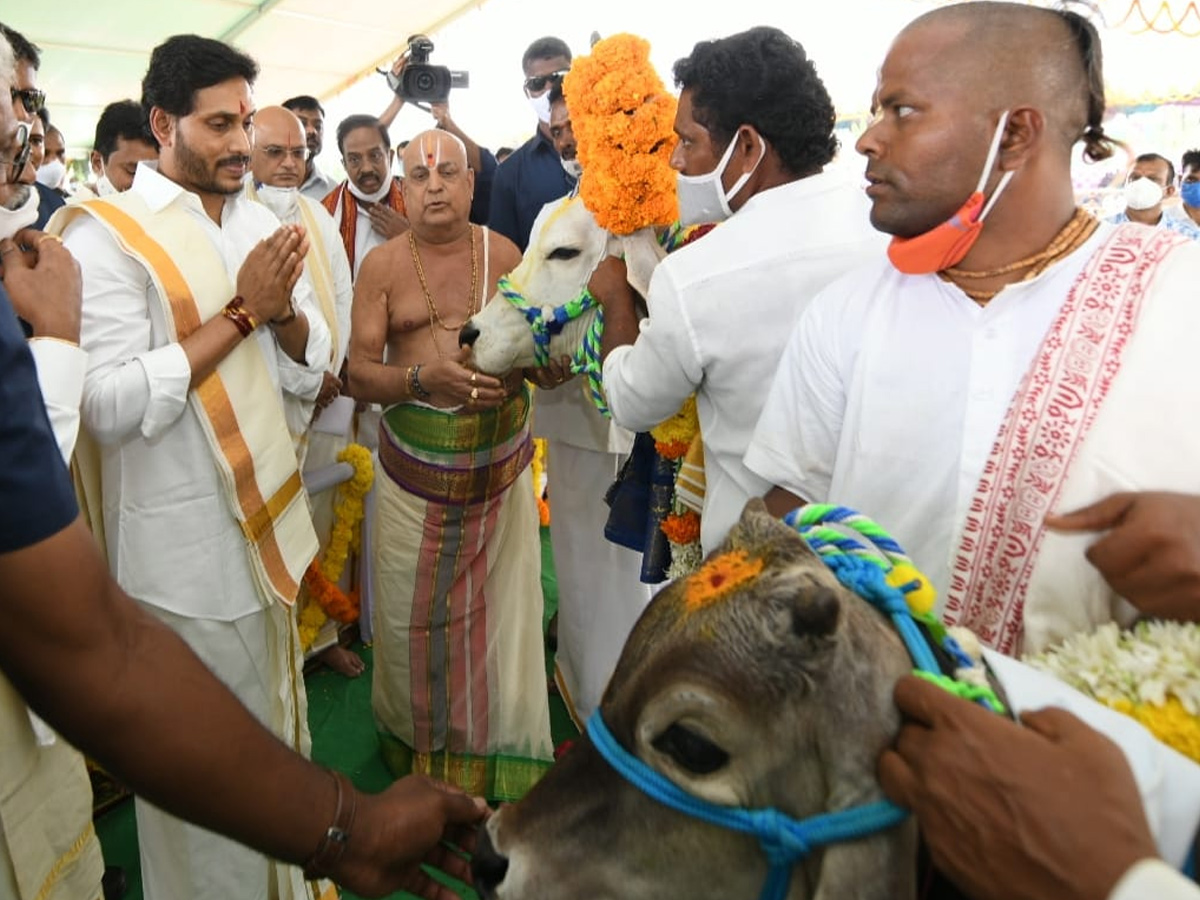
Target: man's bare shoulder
{"type": "Point", "coordinates": [390, 262]}
{"type": "Point", "coordinates": [502, 252]}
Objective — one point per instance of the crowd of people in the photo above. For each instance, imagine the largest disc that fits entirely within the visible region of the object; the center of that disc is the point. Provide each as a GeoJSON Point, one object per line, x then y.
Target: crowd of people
{"type": "Point", "coordinates": [961, 352]}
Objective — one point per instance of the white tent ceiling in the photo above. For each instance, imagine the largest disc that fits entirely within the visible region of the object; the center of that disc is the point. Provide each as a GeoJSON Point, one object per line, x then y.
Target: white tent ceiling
{"type": "Point", "coordinates": [96, 51]}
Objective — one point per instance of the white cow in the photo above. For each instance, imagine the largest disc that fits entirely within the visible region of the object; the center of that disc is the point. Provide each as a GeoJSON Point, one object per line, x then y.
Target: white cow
{"type": "Point", "coordinates": [565, 247]}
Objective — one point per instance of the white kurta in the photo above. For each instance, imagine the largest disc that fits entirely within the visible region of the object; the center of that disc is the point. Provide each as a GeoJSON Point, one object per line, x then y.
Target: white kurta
{"type": "Point", "coordinates": [304, 382]}
{"type": "Point", "coordinates": [366, 238]}
{"type": "Point", "coordinates": [721, 310]}
{"type": "Point", "coordinates": [318, 186]}
{"type": "Point", "coordinates": [172, 540]}
{"type": "Point", "coordinates": [1154, 878]}
{"type": "Point", "coordinates": [61, 368]}
{"type": "Point", "coordinates": [890, 394]}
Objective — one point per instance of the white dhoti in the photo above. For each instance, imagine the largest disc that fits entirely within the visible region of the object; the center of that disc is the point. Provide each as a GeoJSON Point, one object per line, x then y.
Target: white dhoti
{"type": "Point", "coordinates": [600, 593]}
{"type": "Point", "coordinates": [258, 658]}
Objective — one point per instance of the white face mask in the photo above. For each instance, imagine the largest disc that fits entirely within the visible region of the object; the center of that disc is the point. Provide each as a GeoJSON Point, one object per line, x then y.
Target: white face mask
{"type": "Point", "coordinates": [51, 174]}
{"type": "Point", "coordinates": [371, 198]}
{"type": "Point", "coordinates": [13, 220]}
{"type": "Point", "coordinates": [541, 107]}
{"type": "Point", "coordinates": [703, 199]}
{"type": "Point", "coordinates": [283, 201]}
{"type": "Point", "coordinates": [104, 187]}
{"type": "Point", "coordinates": [1142, 193]}
{"type": "Point", "coordinates": [573, 167]}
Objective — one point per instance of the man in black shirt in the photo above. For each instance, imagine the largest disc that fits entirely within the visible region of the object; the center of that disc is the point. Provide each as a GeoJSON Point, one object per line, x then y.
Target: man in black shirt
{"type": "Point", "coordinates": [533, 175]}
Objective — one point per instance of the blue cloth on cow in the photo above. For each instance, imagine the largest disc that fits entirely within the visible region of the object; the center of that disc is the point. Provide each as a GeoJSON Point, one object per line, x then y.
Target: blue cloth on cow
{"type": "Point", "coordinates": [638, 502]}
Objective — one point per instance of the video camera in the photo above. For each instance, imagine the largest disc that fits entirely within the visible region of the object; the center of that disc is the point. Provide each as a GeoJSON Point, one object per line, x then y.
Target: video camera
{"type": "Point", "coordinates": [421, 82]}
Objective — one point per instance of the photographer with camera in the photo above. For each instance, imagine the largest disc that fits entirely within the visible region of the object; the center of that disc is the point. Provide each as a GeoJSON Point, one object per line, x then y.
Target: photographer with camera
{"type": "Point", "coordinates": [412, 79]}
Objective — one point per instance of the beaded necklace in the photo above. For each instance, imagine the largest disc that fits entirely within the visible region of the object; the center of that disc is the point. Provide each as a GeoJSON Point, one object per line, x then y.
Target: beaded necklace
{"type": "Point", "coordinates": [1072, 236]}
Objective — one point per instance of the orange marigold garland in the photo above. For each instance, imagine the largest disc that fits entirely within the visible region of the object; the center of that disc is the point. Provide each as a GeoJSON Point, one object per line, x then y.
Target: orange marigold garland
{"type": "Point", "coordinates": [623, 118]}
{"type": "Point", "coordinates": [682, 528]}
{"type": "Point", "coordinates": [326, 599]}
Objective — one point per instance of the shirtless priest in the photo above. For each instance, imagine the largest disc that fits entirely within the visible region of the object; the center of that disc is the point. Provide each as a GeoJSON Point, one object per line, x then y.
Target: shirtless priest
{"type": "Point", "coordinates": [460, 685]}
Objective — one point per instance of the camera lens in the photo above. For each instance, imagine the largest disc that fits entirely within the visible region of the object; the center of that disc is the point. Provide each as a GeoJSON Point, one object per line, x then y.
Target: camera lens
{"type": "Point", "coordinates": [425, 82]}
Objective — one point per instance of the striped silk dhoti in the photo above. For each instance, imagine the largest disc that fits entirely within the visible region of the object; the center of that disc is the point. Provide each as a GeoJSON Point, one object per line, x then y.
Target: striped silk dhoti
{"type": "Point", "coordinates": [459, 688]}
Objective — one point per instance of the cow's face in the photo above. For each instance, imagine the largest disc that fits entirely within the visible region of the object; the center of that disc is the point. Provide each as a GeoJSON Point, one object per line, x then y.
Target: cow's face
{"type": "Point", "coordinates": [565, 247]}
{"type": "Point", "coordinates": [774, 693]}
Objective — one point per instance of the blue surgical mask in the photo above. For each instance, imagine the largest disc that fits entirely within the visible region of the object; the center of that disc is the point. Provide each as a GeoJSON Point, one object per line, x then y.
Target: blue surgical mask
{"type": "Point", "coordinates": [1190, 192]}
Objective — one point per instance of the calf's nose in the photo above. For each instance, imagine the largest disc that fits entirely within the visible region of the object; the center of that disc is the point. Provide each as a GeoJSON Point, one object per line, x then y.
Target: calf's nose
{"type": "Point", "coordinates": [488, 867]}
{"type": "Point", "coordinates": [468, 335]}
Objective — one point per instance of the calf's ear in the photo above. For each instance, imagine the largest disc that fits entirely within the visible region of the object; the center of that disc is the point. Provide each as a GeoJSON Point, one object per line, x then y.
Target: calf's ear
{"type": "Point", "coordinates": [761, 534]}
{"type": "Point", "coordinates": [642, 253]}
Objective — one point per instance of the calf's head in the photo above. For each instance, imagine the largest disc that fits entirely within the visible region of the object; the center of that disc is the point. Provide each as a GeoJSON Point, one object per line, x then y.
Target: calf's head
{"type": "Point", "coordinates": [565, 247]}
{"type": "Point", "coordinates": [758, 682]}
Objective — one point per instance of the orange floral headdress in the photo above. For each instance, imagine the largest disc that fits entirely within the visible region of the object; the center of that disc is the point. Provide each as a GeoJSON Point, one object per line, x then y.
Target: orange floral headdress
{"type": "Point", "coordinates": [623, 119]}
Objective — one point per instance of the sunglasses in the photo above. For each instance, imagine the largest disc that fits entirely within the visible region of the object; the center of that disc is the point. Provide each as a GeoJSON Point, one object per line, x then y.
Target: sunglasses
{"type": "Point", "coordinates": [537, 83]}
{"type": "Point", "coordinates": [33, 100]}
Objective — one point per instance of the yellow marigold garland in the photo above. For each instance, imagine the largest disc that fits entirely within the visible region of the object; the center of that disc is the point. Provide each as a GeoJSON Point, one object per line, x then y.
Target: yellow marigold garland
{"type": "Point", "coordinates": [326, 599]}
{"type": "Point", "coordinates": [623, 118]}
{"type": "Point", "coordinates": [539, 473]}
{"type": "Point", "coordinates": [673, 436]}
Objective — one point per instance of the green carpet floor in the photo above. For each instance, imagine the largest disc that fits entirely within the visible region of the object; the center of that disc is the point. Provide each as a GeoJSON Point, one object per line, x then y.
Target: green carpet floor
{"type": "Point", "coordinates": [339, 715]}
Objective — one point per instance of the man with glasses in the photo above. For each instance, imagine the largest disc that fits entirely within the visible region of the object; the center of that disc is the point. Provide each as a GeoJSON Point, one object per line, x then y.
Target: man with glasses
{"type": "Point", "coordinates": [278, 162]}
{"type": "Point", "coordinates": [311, 114]}
{"type": "Point", "coordinates": [367, 206]}
{"type": "Point", "coordinates": [533, 176]}
{"type": "Point", "coordinates": [27, 99]}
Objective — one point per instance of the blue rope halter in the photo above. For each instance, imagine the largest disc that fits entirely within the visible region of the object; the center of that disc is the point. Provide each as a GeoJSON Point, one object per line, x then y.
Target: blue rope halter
{"type": "Point", "coordinates": [545, 324]}
{"type": "Point", "coordinates": [784, 839]}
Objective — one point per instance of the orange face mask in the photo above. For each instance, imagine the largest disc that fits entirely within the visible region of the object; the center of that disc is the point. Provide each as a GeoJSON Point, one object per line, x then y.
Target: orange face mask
{"type": "Point", "coordinates": [947, 244]}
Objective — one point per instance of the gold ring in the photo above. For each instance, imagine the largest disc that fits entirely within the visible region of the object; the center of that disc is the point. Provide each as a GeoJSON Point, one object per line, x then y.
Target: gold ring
{"type": "Point", "coordinates": [474, 376]}
{"type": "Point", "coordinates": [48, 237]}
{"type": "Point", "coordinates": [474, 393]}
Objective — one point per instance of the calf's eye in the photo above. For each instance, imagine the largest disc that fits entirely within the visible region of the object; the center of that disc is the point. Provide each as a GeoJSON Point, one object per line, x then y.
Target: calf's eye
{"type": "Point", "coordinates": [563, 253]}
{"type": "Point", "coordinates": [690, 751]}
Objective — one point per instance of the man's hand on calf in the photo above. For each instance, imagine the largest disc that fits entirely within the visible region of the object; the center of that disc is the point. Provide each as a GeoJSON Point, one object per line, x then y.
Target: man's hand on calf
{"type": "Point", "coordinates": [451, 383]}
{"type": "Point", "coordinates": [555, 373]}
{"type": "Point", "coordinates": [1012, 813]}
{"type": "Point", "coordinates": [1150, 553]}
{"type": "Point", "coordinates": [416, 821]}
{"type": "Point", "coordinates": [44, 283]}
